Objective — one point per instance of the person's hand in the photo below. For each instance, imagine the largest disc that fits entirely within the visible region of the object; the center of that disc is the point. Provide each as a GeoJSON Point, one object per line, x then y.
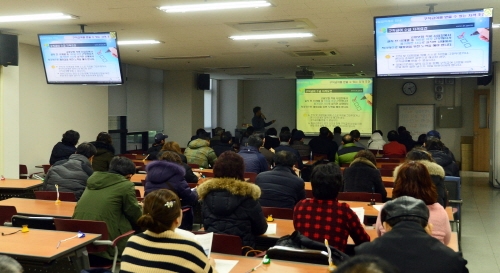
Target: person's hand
{"type": "Point", "coordinates": [272, 150]}
{"type": "Point", "coordinates": [197, 174]}
{"type": "Point", "coordinates": [212, 262]}
{"type": "Point", "coordinates": [273, 121]}
{"type": "Point", "coordinates": [484, 34]}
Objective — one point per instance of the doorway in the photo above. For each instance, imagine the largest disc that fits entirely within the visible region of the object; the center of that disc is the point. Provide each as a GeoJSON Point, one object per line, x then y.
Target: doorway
{"type": "Point", "coordinates": [481, 144]}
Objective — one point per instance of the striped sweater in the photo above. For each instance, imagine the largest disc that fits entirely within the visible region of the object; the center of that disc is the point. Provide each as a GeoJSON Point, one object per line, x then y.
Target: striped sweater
{"type": "Point", "coordinates": [149, 252]}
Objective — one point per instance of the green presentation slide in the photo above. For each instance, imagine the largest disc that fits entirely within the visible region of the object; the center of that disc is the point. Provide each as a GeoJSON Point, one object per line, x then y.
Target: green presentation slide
{"type": "Point", "coordinates": [335, 102]}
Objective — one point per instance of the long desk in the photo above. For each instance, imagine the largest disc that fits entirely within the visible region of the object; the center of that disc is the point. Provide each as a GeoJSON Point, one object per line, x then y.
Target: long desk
{"type": "Point", "coordinates": [19, 188]}
{"type": "Point", "coordinates": [35, 207]}
{"type": "Point", "coordinates": [138, 177]}
{"type": "Point", "coordinates": [140, 189]}
{"type": "Point", "coordinates": [38, 248]}
{"type": "Point", "coordinates": [245, 264]}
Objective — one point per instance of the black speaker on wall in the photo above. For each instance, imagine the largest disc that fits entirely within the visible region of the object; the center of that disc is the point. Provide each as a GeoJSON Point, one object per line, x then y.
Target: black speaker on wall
{"type": "Point", "coordinates": [484, 80]}
{"type": "Point", "coordinates": [203, 81]}
{"type": "Point", "coordinates": [8, 50]}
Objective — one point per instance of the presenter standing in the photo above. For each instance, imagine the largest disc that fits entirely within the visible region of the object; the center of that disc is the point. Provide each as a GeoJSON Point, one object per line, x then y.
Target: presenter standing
{"type": "Point", "coordinates": [259, 120]}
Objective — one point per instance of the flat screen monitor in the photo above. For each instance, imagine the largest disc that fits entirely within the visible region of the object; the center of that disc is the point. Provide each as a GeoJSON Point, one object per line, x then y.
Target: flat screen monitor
{"type": "Point", "coordinates": [346, 103]}
{"type": "Point", "coordinates": [445, 44]}
{"type": "Point", "coordinates": [81, 58]}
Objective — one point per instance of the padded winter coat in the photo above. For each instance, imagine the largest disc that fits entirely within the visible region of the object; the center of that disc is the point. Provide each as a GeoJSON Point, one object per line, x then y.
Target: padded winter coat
{"type": "Point", "coordinates": [61, 151]}
{"type": "Point", "coordinates": [231, 207]}
{"type": "Point", "coordinates": [70, 175]}
{"type": "Point", "coordinates": [446, 161]}
{"type": "Point", "coordinates": [363, 176]}
{"type": "Point", "coordinates": [281, 188]}
{"type": "Point", "coordinates": [105, 152]}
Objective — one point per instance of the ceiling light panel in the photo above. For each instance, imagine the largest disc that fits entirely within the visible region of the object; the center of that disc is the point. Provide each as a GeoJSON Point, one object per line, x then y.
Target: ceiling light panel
{"type": "Point", "coordinates": [36, 17]}
{"type": "Point", "coordinates": [271, 36]}
{"type": "Point", "coordinates": [215, 6]}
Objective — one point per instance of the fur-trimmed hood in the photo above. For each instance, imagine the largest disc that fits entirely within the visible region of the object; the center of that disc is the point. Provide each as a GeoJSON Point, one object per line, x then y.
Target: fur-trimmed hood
{"type": "Point", "coordinates": [363, 160]}
{"type": "Point", "coordinates": [234, 186]}
{"type": "Point", "coordinates": [432, 167]}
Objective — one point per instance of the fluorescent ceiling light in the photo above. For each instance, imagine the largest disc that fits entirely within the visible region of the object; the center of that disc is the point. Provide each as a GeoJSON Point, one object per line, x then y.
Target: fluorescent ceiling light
{"type": "Point", "coordinates": [271, 36]}
{"type": "Point", "coordinates": [215, 6]}
{"type": "Point", "coordinates": [496, 25]}
{"type": "Point", "coordinates": [139, 42]}
{"type": "Point", "coordinates": [36, 17]}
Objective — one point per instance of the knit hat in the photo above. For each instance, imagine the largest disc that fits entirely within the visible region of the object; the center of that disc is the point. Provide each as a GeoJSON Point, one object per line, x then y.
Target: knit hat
{"type": "Point", "coordinates": [159, 137]}
{"type": "Point", "coordinates": [404, 206]}
{"type": "Point", "coordinates": [434, 133]}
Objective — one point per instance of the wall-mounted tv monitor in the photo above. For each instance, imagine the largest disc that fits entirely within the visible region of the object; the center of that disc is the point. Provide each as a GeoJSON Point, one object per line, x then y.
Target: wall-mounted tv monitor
{"type": "Point", "coordinates": [444, 44]}
{"type": "Point", "coordinates": [346, 103]}
{"type": "Point", "coordinates": [81, 58]}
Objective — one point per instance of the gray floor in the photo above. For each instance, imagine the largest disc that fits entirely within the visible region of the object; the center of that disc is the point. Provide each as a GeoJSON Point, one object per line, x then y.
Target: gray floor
{"type": "Point", "coordinates": [480, 223]}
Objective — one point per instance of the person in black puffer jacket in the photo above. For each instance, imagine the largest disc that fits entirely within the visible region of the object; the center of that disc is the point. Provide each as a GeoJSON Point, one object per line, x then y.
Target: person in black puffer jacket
{"type": "Point", "coordinates": [71, 175]}
{"type": "Point", "coordinates": [441, 156]}
{"type": "Point", "coordinates": [62, 150]}
{"type": "Point", "coordinates": [230, 205]}
{"type": "Point", "coordinates": [419, 154]}
{"type": "Point", "coordinates": [105, 152]}
{"type": "Point", "coordinates": [363, 175]}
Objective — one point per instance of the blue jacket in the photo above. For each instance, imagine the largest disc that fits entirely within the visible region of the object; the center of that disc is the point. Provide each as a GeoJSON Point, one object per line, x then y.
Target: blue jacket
{"type": "Point", "coordinates": [255, 162]}
{"type": "Point", "coordinates": [168, 175]}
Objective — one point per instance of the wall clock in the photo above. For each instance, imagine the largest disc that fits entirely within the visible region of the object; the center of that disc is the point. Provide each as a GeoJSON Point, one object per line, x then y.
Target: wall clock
{"type": "Point", "coordinates": [409, 88]}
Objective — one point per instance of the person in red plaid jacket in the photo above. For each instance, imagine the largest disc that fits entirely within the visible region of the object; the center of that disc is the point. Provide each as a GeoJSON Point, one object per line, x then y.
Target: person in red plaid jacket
{"type": "Point", "coordinates": [323, 217]}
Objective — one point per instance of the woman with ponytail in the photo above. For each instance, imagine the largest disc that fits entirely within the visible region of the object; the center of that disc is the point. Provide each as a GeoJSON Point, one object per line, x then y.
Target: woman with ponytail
{"type": "Point", "coordinates": [160, 248]}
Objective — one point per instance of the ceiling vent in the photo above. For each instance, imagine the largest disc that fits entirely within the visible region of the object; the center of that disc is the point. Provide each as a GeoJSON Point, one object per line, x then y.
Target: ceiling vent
{"type": "Point", "coordinates": [313, 53]}
{"type": "Point", "coordinates": [182, 57]}
{"type": "Point", "coordinates": [257, 26]}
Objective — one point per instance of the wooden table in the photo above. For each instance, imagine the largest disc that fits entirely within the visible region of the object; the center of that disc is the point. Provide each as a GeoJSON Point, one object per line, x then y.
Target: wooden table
{"type": "Point", "coordinates": [19, 188]}
{"type": "Point", "coordinates": [245, 264]}
{"type": "Point", "coordinates": [146, 162]}
{"type": "Point", "coordinates": [40, 247]}
{"type": "Point", "coordinates": [35, 207]}
{"type": "Point", "coordinates": [138, 177]}
{"type": "Point", "coordinates": [141, 190]}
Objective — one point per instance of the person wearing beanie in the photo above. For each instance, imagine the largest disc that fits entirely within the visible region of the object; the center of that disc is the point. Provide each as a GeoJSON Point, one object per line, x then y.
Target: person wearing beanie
{"type": "Point", "coordinates": [298, 143]}
{"type": "Point", "coordinates": [156, 147]}
{"type": "Point", "coordinates": [407, 243]}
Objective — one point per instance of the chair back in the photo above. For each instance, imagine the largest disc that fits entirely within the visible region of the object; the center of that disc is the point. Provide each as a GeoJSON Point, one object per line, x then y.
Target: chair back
{"type": "Point", "coordinates": [192, 185]}
{"type": "Point", "coordinates": [280, 213]}
{"type": "Point", "coordinates": [309, 194]}
{"type": "Point", "coordinates": [52, 195]}
{"type": "Point", "coordinates": [250, 175]}
{"type": "Point", "coordinates": [360, 196]}
{"type": "Point", "coordinates": [389, 166]}
{"type": "Point", "coordinates": [227, 244]}
{"type": "Point", "coordinates": [23, 171]}
{"type": "Point", "coordinates": [388, 184]}
{"type": "Point", "coordinates": [194, 166]}
{"type": "Point", "coordinates": [6, 213]}
{"type": "Point", "coordinates": [137, 193]}
{"type": "Point", "coordinates": [375, 152]}
{"type": "Point", "coordinates": [454, 188]}
{"type": "Point", "coordinates": [85, 226]}
{"type": "Point", "coordinates": [33, 222]}
{"type": "Point", "coordinates": [386, 172]}
{"type": "Point", "coordinates": [46, 168]}
{"type": "Point", "coordinates": [295, 254]}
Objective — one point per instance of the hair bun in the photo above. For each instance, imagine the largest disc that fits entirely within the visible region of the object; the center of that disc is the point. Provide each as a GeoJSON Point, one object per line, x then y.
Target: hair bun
{"type": "Point", "coordinates": [146, 221]}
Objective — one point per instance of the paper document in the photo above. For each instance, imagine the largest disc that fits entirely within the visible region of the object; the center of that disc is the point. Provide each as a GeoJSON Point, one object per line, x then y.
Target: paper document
{"type": "Point", "coordinates": [360, 212]}
{"type": "Point", "coordinates": [205, 240]}
{"type": "Point", "coordinates": [271, 228]}
{"type": "Point", "coordinates": [225, 266]}
{"type": "Point", "coordinates": [378, 207]}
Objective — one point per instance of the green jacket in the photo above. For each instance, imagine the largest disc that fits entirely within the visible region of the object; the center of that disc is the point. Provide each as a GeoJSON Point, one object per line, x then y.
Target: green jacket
{"type": "Point", "coordinates": [110, 198]}
{"type": "Point", "coordinates": [199, 152]}
{"type": "Point", "coordinates": [347, 153]}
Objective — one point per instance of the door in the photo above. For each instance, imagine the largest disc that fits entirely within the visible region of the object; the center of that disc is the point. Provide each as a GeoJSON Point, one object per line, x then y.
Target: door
{"type": "Point", "coordinates": [481, 144]}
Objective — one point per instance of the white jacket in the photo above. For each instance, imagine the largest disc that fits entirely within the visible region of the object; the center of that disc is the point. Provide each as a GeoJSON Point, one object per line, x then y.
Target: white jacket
{"type": "Point", "coordinates": [376, 142]}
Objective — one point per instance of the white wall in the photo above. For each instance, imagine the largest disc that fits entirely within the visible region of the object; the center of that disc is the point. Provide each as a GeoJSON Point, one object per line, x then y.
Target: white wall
{"type": "Point", "coordinates": [230, 98]}
{"type": "Point", "coordinates": [47, 111]}
{"type": "Point", "coordinates": [182, 106]}
{"type": "Point", "coordinates": [9, 121]}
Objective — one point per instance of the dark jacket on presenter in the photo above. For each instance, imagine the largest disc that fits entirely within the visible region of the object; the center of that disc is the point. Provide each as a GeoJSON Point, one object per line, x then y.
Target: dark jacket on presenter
{"type": "Point", "coordinates": [259, 120]}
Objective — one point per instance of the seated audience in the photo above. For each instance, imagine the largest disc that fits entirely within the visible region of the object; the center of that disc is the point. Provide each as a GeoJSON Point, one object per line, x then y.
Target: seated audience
{"type": "Point", "coordinates": [225, 143]}
{"type": "Point", "coordinates": [244, 138]}
{"type": "Point", "coordinates": [230, 205]}
{"type": "Point", "coordinates": [363, 175]}
{"type": "Point", "coordinates": [436, 134]}
{"type": "Point", "coordinates": [199, 133]}
{"type": "Point", "coordinates": [156, 147]}
{"type": "Point", "coordinates": [406, 139]}
{"type": "Point", "coordinates": [285, 129]}
{"type": "Point", "coordinates": [413, 179]}
{"type": "Point", "coordinates": [254, 161]}
{"type": "Point", "coordinates": [356, 136]}
{"type": "Point", "coordinates": [407, 243]}
{"type": "Point", "coordinates": [366, 264]}
{"type": "Point", "coordinates": [421, 140]}
{"type": "Point", "coordinates": [376, 141]}
{"type": "Point", "coordinates": [268, 155]}
{"type": "Point", "coordinates": [218, 131]}
{"type": "Point", "coordinates": [436, 172]}
{"type": "Point", "coordinates": [324, 145]}
{"type": "Point", "coordinates": [172, 146]}
{"type": "Point", "coordinates": [271, 140]}
{"type": "Point", "coordinates": [168, 173]}
{"type": "Point", "coordinates": [71, 174]}
{"type": "Point", "coordinates": [105, 152]}
{"type": "Point", "coordinates": [160, 248]}
{"type": "Point", "coordinates": [298, 144]}
{"type": "Point", "coordinates": [9, 265]}
{"type": "Point", "coordinates": [281, 188]}
{"type": "Point", "coordinates": [285, 146]}
{"type": "Point", "coordinates": [348, 151]}
{"type": "Point", "coordinates": [394, 148]}
{"type": "Point", "coordinates": [323, 217]}
{"type": "Point", "coordinates": [198, 152]}
{"type": "Point", "coordinates": [439, 154]}
{"type": "Point", "coordinates": [110, 197]}
{"type": "Point", "coordinates": [65, 148]}
{"type": "Point", "coordinates": [337, 135]}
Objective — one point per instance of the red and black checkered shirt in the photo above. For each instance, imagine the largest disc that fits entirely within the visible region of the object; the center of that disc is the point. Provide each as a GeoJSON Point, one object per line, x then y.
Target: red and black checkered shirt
{"type": "Point", "coordinates": [328, 219]}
